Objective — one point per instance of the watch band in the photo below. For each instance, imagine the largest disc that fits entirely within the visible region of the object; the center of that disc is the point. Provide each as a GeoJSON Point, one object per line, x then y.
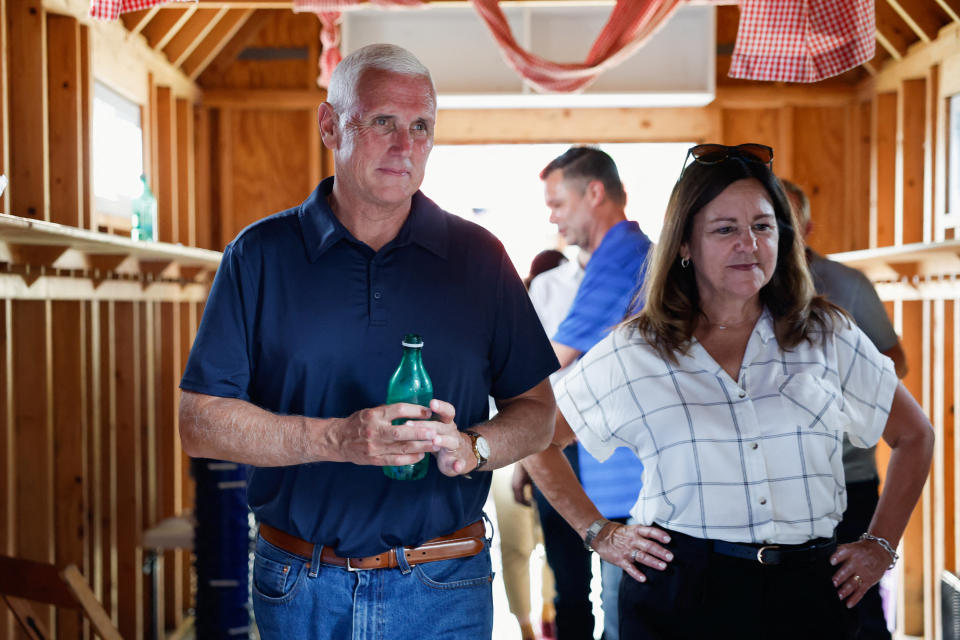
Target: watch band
{"type": "Point", "coordinates": [481, 460]}
{"type": "Point", "coordinates": [593, 531]}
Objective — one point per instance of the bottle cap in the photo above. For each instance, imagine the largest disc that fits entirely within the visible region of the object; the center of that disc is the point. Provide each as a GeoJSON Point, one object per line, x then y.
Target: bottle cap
{"type": "Point", "coordinates": [413, 341]}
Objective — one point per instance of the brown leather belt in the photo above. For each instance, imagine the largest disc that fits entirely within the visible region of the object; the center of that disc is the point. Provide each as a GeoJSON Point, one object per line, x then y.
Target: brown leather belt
{"type": "Point", "coordinates": [459, 544]}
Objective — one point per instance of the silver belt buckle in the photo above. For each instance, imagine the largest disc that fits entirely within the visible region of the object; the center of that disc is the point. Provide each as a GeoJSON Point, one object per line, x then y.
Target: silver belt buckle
{"type": "Point", "coordinates": [764, 548]}
{"type": "Point", "coordinates": [352, 569]}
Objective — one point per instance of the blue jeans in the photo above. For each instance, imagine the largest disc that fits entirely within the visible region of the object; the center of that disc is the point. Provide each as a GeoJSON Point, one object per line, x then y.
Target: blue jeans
{"type": "Point", "coordinates": [443, 599]}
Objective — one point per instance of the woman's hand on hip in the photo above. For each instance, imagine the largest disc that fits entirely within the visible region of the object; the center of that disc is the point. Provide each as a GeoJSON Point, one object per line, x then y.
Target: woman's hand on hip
{"type": "Point", "coordinates": [630, 545]}
{"type": "Point", "coordinates": [861, 565]}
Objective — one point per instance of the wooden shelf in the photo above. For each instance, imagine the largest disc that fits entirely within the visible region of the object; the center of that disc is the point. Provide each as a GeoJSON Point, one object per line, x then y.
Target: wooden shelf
{"type": "Point", "coordinates": [34, 248]}
{"type": "Point", "coordinates": [911, 271]}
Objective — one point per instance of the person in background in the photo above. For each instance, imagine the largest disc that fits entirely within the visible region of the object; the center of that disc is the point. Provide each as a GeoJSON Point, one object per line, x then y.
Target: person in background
{"type": "Point", "coordinates": [735, 385]}
{"type": "Point", "coordinates": [852, 291]}
{"type": "Point", "coordinates": [519, 525]}
{"type": "Point", "coordinates": [292, 359]}
{"type": "Point", "coordinates": [586, 198]}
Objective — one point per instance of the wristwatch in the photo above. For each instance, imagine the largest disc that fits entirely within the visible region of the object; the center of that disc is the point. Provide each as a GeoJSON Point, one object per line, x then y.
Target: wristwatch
{"type": "Point", "coordinates": [481, 448]}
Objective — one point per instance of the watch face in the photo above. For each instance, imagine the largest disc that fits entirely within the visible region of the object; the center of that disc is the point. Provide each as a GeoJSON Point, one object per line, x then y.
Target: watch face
{"type": "Point", "coordinates": [483, 447]}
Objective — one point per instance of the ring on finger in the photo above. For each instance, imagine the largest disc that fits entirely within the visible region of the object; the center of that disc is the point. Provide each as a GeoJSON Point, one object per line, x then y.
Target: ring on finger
{"type": "Point", "coordinates": [633, 555]}
{"type": "Point", "coordinates": [859, 580]}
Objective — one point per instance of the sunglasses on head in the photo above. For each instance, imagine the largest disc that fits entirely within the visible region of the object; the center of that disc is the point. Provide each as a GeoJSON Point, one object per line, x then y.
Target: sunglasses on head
{"type": "Point", "coordinates": [717, 153]}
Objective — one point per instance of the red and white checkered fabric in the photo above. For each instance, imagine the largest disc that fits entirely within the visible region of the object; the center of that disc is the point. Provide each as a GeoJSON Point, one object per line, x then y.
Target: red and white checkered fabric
{"type": "Point", "coordinates": [802, 40]}
{"type": "Point", "coordinates": [326, 6]}
{"type": "Point", "coordinates": [111, 9]}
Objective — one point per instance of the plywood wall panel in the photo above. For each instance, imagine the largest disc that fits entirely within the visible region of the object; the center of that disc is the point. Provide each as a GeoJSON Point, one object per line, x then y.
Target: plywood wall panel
{"type": "Point", "coordinates": [4, 141]}
{"type": "Point", "coordinates": [296, 33]}
{"type": "Point", "coordinates": [33, 435]}
{"type": "Point", "coordinates": [64, 101]}
{"type": "Point", "coordinates": [129, 469]}
{"type": "Point", "coordinates": [912, 142]}
{"type": "Point", "coordinates": [108, 457]}
{"type": "Point", "coordinates": [203, 185]}
{"type": "Point", "coordinates": [267, 176]}
{"type": "Point", "coordinates": [168, 449]}
{"type": "Point", "coordinates": [948, 435]}
{"type": "Point", "coordinates": [885, 134]}
{"type": "Point", "coordinates": [913, 537]}
{"type": "Point", "coordinates": [166, 169]}
{"type": "Point", "coordinates": [753, 125]}
{"type": "Point", "coordinates": [186, 169]}
{"type": "Point", "coordinates": [27, 95]}
{"type": "Point", "coordinates": [70, 438]}
{"type": "Point", "coordinates": [819, 164]}
{"type": "Point", "coordinates": [8, 469]}
{"type": "Point", "coordinates": [861, 160]}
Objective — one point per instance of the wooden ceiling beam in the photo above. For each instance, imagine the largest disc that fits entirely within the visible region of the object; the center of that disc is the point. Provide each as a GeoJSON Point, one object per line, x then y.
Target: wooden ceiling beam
{"type": "Point", "coordinates": [240, 41]}
{"type": "Point", "coordinates": [924, 17]}
{"type": "Point", "coordinates": [192, 34]}
{"type": "Point", "coordinates": [175, 29]}
{"type": "Point", "coordinates": [951, 8]}
{"type": "Point", "coordinates": [135, 21]}
{"type": "Point", "coordinates": [887, 46]}
{"type": "Point", "coordinates": [919, 31]}
{"type": "Point", "coordinates": [165, 25]}
{"type": "Point", "coordinates": [892, 32]}
{"type": "Point", "coordinates": [215, 41]}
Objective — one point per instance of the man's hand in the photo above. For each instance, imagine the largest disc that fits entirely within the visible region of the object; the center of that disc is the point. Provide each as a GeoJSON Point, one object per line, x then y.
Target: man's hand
{"type": "Point", "coordinates": [367, 436]}
{"type": "Point", "coordinates": [520, 483]}
{"type": "Point", "coordinates": [453, 449]}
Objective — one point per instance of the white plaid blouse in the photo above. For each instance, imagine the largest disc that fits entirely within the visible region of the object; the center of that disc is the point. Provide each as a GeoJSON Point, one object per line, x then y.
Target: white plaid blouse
{"type": "Point", "coordinates": [756, 460]}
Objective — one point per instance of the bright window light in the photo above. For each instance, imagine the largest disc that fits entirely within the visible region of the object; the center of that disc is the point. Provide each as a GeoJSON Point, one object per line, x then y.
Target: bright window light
{"type": "Point", "coordinates": [117, 151]}
{"type": "Point", "coordinates": [499, 188]}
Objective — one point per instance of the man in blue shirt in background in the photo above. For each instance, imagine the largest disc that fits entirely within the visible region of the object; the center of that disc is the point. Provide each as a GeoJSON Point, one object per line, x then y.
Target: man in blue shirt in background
{"type": "Point", "coordinates": [585, 195]}
{"type": "Point", "coordinates": [290, 368]}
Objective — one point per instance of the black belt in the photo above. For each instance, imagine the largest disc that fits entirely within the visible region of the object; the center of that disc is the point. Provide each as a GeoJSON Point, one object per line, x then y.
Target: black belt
{"type": "Point", "coordinates": [778, 554]}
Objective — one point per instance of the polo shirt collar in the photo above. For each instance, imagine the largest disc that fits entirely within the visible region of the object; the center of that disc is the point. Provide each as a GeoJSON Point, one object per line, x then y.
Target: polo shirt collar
{"type": "Point", "coordinates": [426, 225]}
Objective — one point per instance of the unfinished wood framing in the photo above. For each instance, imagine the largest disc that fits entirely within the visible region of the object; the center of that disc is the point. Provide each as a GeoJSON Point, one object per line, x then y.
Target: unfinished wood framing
{"type": "Point", "coordinates": [4, 116]}
{"type": "Point", "coordinates": [887, 187]}
{"type": "Point", "coordinates": [185, 171]}
{"type": "Point", "coordinates": [65, 93]}
{"type": "Point", "coordinates": [27, 97]}
{"type": "Point", "coordinates": [166, 169]}
{"type": "Point", "coordinates": [911, 138]}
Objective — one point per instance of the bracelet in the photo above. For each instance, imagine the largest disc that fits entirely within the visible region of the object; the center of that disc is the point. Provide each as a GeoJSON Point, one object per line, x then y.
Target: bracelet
{"type": "Point", "coordinates": [886, 547]}
{"type": "Point", "coordinates": [593, 530]}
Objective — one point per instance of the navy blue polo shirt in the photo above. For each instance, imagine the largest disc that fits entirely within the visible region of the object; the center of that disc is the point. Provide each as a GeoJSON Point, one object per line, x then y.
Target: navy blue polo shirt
{"type": "Point", "coordinates": [304, 319]}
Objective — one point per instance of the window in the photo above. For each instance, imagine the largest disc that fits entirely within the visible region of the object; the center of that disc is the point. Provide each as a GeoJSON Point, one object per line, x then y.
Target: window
{"type": "Point", "coordinates": [117, 156]}
{"type": "Point", "coordinates": [499, 188]}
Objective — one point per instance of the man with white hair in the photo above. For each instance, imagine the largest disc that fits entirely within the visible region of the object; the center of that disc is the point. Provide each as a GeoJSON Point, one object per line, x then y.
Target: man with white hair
{"type": "Point", "coordinates": [291, 363]}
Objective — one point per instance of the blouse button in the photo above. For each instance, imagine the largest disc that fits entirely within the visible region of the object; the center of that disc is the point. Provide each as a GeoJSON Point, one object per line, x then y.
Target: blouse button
{"type": "Point", "coordinates": [763, 501]}
{"type": "Point", "coordinates": [754, 445]}
{"type": "Point", "coordinates": [742, 394]}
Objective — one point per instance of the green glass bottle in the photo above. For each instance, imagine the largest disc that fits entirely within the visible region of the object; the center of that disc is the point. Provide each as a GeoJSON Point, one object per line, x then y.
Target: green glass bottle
{"type": "Point", "coordinates": [410, 383]}
{"type": "Point", "coordinates": [143, 221]}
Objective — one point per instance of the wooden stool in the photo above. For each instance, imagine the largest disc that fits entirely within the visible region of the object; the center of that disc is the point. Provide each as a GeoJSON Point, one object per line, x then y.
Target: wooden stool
{"type": "Point", "coordinates": [25, 580]}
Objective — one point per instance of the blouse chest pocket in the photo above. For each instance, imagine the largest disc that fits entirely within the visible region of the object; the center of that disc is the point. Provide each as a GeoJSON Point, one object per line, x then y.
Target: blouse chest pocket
{"type": "Point", "coordinates": [811, 403]}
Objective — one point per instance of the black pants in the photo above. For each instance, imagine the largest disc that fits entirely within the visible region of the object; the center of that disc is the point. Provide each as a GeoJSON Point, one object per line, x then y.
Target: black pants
{"type": "Point", "coordinates": [703, 594]}
{"type": "Point", "coordinates": [570, 563]}
{"type": "Point", "coordinates": [862, 498]}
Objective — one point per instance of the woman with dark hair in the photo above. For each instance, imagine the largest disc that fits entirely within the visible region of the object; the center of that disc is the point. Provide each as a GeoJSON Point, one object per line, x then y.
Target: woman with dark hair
{"type": "Point", "coordinates": [735, 385]}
